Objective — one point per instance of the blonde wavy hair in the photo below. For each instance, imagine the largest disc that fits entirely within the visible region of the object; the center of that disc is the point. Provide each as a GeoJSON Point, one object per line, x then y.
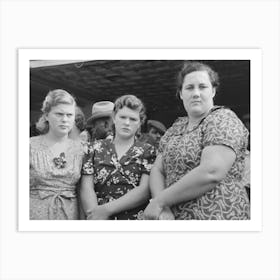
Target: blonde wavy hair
{"type": "Point", "coordinates": [53, 98]}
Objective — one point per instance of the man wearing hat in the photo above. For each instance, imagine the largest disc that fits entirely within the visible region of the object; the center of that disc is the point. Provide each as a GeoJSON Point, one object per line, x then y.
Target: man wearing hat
{"type": "Point", "coordinates": [155, 130]}
{"type": "Point", "coordinates": [100, 123]}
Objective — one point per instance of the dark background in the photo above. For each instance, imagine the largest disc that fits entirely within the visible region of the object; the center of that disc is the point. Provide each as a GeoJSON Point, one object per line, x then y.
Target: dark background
{"type": "Point", "coordinates": [153, 81]}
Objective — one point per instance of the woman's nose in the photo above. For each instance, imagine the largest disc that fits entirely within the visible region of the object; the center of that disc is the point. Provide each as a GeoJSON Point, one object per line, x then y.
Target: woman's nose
{"type": "Point", "coordinates": [196, 92]}
{"type": "Point", "coordinates": [64, 118]}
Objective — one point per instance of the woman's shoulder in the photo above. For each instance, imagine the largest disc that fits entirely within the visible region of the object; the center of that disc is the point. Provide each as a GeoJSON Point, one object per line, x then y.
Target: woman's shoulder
{"type": "Point", "coordinates": [221, 111]}
{"type": "Point", "coordinates": [177, 127]}
{"type": "Point", "coordinates": [180, 121]}
{"type": "Point", "coordinates": [76, 145]}
{"type": "Point", "coordinates": [144, 150]}
{"type": "Point", "coordinates": [222, 120]}
{"type": "Point", "coordinates": [97, 145]}
{"type": "Point", "coordinates": [142, 144]}
{"type": "Point", "coordinates": [35, 141]}
{"type": "Point", "coordinates": [221, 114]}
{"type": "Point", "coordinates": [101, 143]}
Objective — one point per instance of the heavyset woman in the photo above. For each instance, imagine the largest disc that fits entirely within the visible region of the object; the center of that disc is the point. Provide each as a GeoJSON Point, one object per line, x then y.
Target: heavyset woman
{"type": "Point", "coordinates": [55, 161]}
{"type": "Point", "coordinates": [201, 157]}
{"type": "Point", "coordinates": [115, 172]}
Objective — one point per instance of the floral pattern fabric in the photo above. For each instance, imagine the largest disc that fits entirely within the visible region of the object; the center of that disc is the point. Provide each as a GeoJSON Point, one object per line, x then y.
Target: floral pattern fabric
{"type": "Point", "coordinates": [181, 152]}
{"type": "Point", "coordinates": [115, 177]}
{"type": "Point", "coordinates": [53, 188]}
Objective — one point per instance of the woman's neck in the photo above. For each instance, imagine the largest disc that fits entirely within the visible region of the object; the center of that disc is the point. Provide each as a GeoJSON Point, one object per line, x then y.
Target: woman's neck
{"type": "Point", "coordinates": [123, 141]}
{"type": "Point", "coordinates": [54, 138]}
{"type": "Point", "coordinates": [74, 133]}
{"type": "Point", "coordinates": [122, 145]}
{"type": "Point", "coordinates": [195, 120]}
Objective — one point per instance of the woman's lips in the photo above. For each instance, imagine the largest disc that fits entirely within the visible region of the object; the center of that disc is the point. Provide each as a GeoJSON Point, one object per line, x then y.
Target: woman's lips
{"type": "Point", "coordinates": [63, 126]}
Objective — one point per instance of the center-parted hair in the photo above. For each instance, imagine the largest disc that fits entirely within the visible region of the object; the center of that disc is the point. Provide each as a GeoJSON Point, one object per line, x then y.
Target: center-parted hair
{"type": "Point", "coordinates": [132, 102]}
{"type": "Point", "coordinates": [193, 66]}
{"type": "Point", "coordinates": [53, 98]}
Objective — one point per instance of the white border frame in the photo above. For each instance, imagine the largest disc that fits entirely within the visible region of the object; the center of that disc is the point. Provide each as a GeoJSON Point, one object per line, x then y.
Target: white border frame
{"type": "Point", "coordinates": [25, 55]}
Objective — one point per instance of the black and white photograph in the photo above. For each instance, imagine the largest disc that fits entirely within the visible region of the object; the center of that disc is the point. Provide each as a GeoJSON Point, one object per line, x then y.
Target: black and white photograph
{"type": "Point", "coordinates": [139, 140]}
{"type": "Point", "coordinates": [142, 139]}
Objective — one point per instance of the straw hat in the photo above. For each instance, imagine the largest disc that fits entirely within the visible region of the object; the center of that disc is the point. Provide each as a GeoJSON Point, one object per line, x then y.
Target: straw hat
{"type": "Point", "coordinates": [101, 109]}
{"type": "Point", "coordinates": [156, 124]}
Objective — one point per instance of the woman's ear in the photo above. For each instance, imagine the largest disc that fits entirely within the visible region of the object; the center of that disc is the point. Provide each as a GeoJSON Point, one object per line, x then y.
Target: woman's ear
{"type": "Point", "coordinates": [213, 92]}
{"type": "Point", "coordinates": [180, 94]}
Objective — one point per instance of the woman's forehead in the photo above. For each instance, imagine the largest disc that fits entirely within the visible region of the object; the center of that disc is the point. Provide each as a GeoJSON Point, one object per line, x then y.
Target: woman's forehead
{"type": "Point", "coordinates": [197, 76]}
{"type": "Point", "coordinates": [127, 111]}
{"type": "Point", "coordinates": [63, 108]}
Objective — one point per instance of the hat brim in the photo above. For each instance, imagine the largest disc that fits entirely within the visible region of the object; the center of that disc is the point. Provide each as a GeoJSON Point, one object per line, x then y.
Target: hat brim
{"type": "Point", "coordinates": [99, 115]}
{"type": "Point", "coordinates": [159, 129]}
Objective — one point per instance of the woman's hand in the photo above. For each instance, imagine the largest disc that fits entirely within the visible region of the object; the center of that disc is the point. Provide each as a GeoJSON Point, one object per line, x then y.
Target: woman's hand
{"type": "Point", "coordinates": [153, 210]}
{"type": "Point", "coordinates": [166, 214]}
{"type": "Point", "coordinates": [99, 213]}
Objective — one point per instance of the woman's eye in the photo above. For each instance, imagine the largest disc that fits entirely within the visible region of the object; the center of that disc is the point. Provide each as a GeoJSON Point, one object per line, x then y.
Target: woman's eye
{"type": "Point", "coordinates": [69, 115]}
{"type": "Point", "coordinates": [202, 86]}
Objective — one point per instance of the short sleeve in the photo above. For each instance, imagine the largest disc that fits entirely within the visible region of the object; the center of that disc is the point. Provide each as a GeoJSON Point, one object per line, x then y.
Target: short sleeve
{"type": "Point", "coordinates": [87, 167]}
{"type": "Point", "coordinates": [148, 158]}
{"type": "Point", "coordinates": [223, 127]}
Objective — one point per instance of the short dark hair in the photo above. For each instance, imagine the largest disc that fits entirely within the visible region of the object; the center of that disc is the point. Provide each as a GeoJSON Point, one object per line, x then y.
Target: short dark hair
{"type": "Point", "coordinates": [132, 102]}
{"type": "Point", "coordinates": [192, 66]}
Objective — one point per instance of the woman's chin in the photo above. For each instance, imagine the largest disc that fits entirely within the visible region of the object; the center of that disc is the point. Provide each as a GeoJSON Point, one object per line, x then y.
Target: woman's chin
{"type": "Point", "coordinates": [196, 112]}
{"type": "Point", "coordinates": [62, 133]}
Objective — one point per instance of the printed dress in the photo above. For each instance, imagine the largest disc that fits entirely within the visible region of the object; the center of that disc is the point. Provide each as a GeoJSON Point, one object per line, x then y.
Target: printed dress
{"type": "Point", "coordinates": [181, 152]}
{"type": "Point", "coordinates": [114, 178]}
{"type": "Point", "coordinates": [53, 190]}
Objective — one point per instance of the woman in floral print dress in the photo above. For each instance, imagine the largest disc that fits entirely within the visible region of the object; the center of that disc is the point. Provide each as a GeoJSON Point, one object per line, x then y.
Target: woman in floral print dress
{"type": "Point", "coordinates": [55, 161]}
{"type": "Point", "coordinates": [201, 157]}
{"type": "Point", "coordinates": [116, 171]}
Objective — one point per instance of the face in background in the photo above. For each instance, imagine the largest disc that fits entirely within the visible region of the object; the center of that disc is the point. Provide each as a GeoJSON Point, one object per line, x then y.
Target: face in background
{"type": "Point", "coordinates": [155, 134]}
{"type": "Point", "coordinates": [84, 136]}
{"type": "Point", "coordinates": [197, 93]}
{"type": "Point", "coordinates": [126, 122]}
{"type": "Point", "coordinates": [61, 119]}
{"type": "Point", "coordinates": [101, 128]}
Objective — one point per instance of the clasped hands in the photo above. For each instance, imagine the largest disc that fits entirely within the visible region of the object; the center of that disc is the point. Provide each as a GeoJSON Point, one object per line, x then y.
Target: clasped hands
{"type": "Point", "coordinates": [99, 212]}
{"type": "Point", "coordinates": [154, 211]}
